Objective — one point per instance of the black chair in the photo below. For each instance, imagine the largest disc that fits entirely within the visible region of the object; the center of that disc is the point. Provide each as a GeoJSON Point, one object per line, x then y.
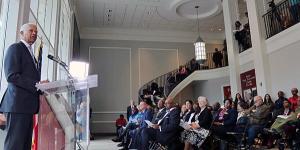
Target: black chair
{"type": "Point", "coordinates": [238, 138]}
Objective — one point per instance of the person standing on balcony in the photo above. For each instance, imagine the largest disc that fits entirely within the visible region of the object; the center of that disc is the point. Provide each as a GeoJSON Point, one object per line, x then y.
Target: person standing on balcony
{"type": "Point", "coordinates": [295, 10]}
{"type": "Point", "coordinates": [217, 58]}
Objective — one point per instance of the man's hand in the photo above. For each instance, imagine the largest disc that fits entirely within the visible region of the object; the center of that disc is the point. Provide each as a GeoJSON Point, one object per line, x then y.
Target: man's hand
{"type": "Point", "coordinates": [218, 123]}
{"type": "Point", "coordinates": [194, 125]}
{"type": "Point", "coordinates": [2, 119]}
{"type": "Point", "coordinates": [155, 126]}
{"type": "Point", "coordinates": [44, 81]}
{"type": "Point", "coordinates": [298, 115]}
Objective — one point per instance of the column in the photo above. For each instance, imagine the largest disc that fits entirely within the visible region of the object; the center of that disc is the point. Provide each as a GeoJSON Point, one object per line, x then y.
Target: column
{"type": "Point", "coordinates": [230, 8]}
{"type": "Point", "coordinates": [261, 63]}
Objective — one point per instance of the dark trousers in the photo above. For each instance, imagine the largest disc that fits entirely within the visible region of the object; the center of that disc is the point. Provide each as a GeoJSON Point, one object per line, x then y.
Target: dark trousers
{"type": "Point", "coordinates": [253, 131]}
{"type": "Point", "coordinates": [148, 134]}
{"type": "Point", "coordinates": [19, 131]}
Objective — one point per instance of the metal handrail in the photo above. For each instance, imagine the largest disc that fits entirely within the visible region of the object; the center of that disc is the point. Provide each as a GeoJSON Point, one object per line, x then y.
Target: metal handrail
{"type": "Point", "coordinates": [280, 17]}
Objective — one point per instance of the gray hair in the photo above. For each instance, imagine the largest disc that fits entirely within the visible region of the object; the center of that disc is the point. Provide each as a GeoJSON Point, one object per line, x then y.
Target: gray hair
{"type": "Point", "coordinates": [202, 98]}
{"type": "Point", "coordinates": [26, 26]}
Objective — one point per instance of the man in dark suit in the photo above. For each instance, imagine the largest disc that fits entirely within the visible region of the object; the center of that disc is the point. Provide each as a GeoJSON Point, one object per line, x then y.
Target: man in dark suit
{"type": "Point", "coordinates": [161, 111]}
{"type": "Point", "coordinates": [129, 109]}
{"type": "Point", "coordinates": [21, 99]}
{"type": "Point", "coordinates": [166, 129]}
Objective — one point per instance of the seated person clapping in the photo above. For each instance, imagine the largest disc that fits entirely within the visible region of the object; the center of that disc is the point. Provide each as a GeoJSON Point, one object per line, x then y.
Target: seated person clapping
{"type": "Point", "coordinates": [225, 120]}
{"type": "Point", "coordinates": [198, 130]}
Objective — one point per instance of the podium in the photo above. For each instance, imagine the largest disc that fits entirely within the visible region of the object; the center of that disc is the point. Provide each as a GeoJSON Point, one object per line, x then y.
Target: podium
{"type": "Point", "coordinates": [63, 120]}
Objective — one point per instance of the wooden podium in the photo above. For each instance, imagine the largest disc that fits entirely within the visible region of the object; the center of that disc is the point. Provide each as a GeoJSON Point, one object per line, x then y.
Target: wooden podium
{"type": "Point", "coordinates": [63, 120]}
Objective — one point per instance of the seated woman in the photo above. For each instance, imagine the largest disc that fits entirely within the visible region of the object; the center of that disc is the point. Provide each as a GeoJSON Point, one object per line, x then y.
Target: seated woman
{"type": "Point", "coordinates": [279, 126]}
{"type": "Point", "coordinates": [190, 112]}
{"type": "Point", "coordinates": [198, 130]}
{"type": "Point", "coordinates": [225, 120]}
{"type": "Point", "coordinates": [240, 105]}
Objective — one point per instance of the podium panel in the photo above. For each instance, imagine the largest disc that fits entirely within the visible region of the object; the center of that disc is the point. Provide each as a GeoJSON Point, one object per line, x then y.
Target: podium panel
{"type": "Point", "coordinates": [64, 114]}
{"type": "Point", "coordinates": [50, 132]}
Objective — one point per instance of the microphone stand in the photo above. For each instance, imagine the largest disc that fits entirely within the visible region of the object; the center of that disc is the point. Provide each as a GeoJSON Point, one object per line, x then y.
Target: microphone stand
{"type": "Point", "coordinates": [72, 87]}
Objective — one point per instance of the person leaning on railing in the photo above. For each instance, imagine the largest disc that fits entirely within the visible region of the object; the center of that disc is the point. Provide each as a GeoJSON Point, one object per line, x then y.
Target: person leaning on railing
{"type": "Point", "coordinates": [295, 9]}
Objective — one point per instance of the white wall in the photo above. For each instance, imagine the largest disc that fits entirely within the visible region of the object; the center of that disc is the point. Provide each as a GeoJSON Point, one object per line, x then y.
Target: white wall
{"type": "Point", "coordinates": [212, 89]}
{"type": "Point", "coordinates": [284, 68]}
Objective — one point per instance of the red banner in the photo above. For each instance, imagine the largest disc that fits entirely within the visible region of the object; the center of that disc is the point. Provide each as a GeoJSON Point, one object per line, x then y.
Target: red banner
{"type": "Point", "coordinates": [248, 80]}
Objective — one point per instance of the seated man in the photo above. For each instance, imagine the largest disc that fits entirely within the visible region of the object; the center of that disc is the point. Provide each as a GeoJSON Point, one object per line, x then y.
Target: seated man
{"type": "Point", "coordinates": [161, 111]}
{"type": "Point", "coordinates": [166, 129]}
{"type": "Point", "coordinates": [257, 114]}
{"type": "Point", "coordinates": [132, 124]}
{"type": "Point", "coordinates": [135, 135]}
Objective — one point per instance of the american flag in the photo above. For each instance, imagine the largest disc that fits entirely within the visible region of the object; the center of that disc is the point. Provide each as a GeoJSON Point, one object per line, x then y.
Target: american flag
{"type": "Point", "coordinates": [38, 52]}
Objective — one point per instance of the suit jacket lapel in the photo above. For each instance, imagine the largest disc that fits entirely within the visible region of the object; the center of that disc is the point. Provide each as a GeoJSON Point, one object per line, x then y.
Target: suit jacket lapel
{"type": "Point", "coordinates": [30, 56]}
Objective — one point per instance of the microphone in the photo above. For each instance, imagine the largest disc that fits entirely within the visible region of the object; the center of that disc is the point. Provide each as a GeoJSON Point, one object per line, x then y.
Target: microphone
{"type": "Point", "coordinates": [57, 60]}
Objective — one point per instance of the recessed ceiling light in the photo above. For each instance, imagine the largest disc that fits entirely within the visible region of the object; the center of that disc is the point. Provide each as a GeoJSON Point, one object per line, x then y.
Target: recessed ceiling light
{"type": "Point", "coordinates": [220, 29]}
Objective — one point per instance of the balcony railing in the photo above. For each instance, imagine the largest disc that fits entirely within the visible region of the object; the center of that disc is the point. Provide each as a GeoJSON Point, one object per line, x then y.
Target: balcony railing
{"type": "Point", "coordinates": [281, 16]}
{"type": "Point", "coordinates": [165, 83]}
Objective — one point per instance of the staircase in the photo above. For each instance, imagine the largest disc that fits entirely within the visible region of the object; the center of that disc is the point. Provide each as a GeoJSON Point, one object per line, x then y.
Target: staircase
{"type": "Point", "coordinates": [171, 83]}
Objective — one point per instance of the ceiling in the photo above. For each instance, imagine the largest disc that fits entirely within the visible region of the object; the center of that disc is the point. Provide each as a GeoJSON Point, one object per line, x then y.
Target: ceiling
{"type": "Point", "coordinates": [177, 17]}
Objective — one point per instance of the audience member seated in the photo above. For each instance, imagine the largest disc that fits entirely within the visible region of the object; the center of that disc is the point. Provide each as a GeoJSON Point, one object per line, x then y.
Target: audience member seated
{"type": "Point", "coordinates": [135, 134]}
{"type": "Point", "coordinates": [165, 131]}
{"type": "Point", "coordinates": [270, 104]}
{"type": "Point", "coordinates": [257, 115]}
{"type": "Point", "coordinates": [225, 120]}
{"type": "Point", "coordinates": [133, 122]}
{"type": "Point", "coordinates": [120, 122]}
{"type": "Point", "coordinates": [187, 117]}
{"type": "Point", "coordinates": [215, 109]}
{"type": "Point", "coordinates": [277, 126]}
{"type": "Point", "coordinates": [129, 109]}
{"type": "Point", "coordinates": [197, 132]}
{"type": "Point", "coordinates": [278, 106]}
{"type": "Point", "coordinates": [183, 111]}
{"type": "Point", "coordinates": [161, 111]}
{"type": "Point", "coordinates": [294, 99]}
{"type": "Point", "coordinates": [240, 105]}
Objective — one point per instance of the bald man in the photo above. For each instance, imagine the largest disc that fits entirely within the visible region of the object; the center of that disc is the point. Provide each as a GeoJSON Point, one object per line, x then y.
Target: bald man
{"type": "Point", "coordinates": [166, 130]}
{"type": "Point", "coordinates": [258, 117]}
{"type": "Point", "coordinates": [21, 99]}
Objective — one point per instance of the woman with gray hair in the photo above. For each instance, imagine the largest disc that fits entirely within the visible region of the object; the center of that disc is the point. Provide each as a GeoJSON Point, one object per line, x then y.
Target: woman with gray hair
{"type": "Point", "coordinates": [196, 133]}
